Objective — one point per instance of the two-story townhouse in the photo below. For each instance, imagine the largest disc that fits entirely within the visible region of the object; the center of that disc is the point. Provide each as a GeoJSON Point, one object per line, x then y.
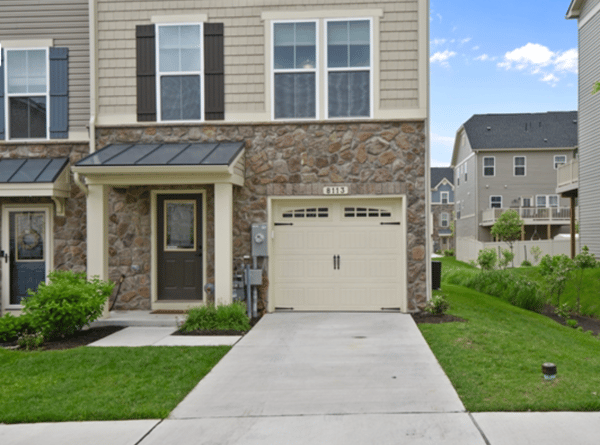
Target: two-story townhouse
{"type": "Point", "coordinates": [442, 208]}
{"type": "Point", "coordinates": [582, 179]}
{"type": "Point", "coordinates": [44, 118]}
{"type": "Point", "coordinates": [310, 119]}
{"type": "Point", "coordinates": [509, 161]}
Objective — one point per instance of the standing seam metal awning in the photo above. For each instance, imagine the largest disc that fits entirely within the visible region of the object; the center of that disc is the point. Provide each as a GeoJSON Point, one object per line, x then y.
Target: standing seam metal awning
{"type": "Point", "coordinates": [223, 153]}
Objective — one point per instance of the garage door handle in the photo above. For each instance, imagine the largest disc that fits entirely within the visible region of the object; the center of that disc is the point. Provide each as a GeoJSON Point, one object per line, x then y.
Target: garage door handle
{"type": "Point", "coordinates": [334, 263]}
{"type": "Point", "coordinates": [390, 223]}
{"type": "Point", "coordinates": [338, 259]}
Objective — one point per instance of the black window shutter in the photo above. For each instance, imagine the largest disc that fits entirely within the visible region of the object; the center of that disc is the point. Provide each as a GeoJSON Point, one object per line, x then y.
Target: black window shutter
{"type": "Point", "coordinates": [59, 93]}
{"type": "Point", "coordinates": [214, 72]}
{"type": "Point", "coordinates": [146, 73]}
{"type": "Point", "coordinates": [2, 132]}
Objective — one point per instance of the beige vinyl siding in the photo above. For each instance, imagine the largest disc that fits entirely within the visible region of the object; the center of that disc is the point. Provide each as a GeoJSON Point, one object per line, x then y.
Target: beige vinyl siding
{"type": "Point", "coordinates": [587, 7]}
{"type": "Point", "coordinates": [66, 22]}
{"type": "Point", "coordinates": [245, 49]}
{"type": "Point", "coordinates": [589, 134]}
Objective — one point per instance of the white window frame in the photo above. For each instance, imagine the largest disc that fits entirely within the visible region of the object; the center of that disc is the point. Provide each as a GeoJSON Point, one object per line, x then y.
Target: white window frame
{"type": "Point", "coordinates": [523, 198]}
{"type": "Point", "coordinates": [545, 197]}
{"type": "Point", "coordinates": [492, 201]}
{"type": "Point", "coordinates": [558, 163]}
{"type": "Point", "coordinates": [515, 166]}
{"type": "Point", "coordinates": [160, 74]}
{"type": "Point", "coordinates": [8, 95]}
{"type": "Point", "coordinates": [447, 195]}
{"type": "Point", "coordinates": [327, 70]}
{"type": "Point", "coordinates": [550, 201]}
{"type": "Point", "coordinates": [444, 219]}
{"type": "Point", "coordinates": [316, 70]}
{"type": "Point", "coordinates": [489, 166]}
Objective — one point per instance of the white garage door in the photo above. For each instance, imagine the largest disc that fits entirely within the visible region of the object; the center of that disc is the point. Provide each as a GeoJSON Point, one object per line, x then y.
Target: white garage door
{"type": "Point", "coordinates": [345, 255]}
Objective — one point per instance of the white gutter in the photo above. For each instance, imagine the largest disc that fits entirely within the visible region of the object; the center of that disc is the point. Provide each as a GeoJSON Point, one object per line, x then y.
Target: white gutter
{"type": "Point", "coordinates": [80, 184]}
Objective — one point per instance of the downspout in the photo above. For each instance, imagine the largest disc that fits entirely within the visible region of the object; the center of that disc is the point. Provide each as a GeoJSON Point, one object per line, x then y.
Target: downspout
{"type": "Point", "coordinates": [93, 55]}
{"type": "Point", "coordinates": [80, 184]}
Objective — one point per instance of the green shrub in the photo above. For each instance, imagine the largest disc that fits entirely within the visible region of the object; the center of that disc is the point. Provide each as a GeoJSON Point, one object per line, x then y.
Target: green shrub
{"type": "Point", "coordinates": [572, 323]}
{"type": "Point", "coordinates": [526, 263]}
{"type": "Point", "coordinates": [231, 317]}
{"type": "Point", "coordinates": [31, 342]}
{"type": "Point", "coordinates": [67, 304]}
{"type": "Point", "coordinates": [563, 311]}
{"type": "Point", "coordinates": [448, 252]}
{"type": "Point", "coordinates": [487, 258]}
{"type": "Point", "coordinates": [437, 305]}
{"type": "Point", "coordinates": [11, 327]}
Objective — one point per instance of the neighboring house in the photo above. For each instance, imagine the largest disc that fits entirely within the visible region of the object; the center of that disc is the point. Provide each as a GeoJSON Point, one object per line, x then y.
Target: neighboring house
{"type": "Point", "coordinates": [587, 13]}
{"type": "Point", "coordinates": [309, 119]}
{"type": "Point", "coordinates": [509, 161]}
{"type": "Point", "coordinates": [44, 115]}
{"type": "Point", "coordinates": [442, 208]}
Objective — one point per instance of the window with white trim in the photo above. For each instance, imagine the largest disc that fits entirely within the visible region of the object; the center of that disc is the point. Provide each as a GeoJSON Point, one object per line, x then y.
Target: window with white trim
{"type": "Point", "coordinates": [444, 219]}
{"type": "Point", "coordinates": [552, 200]}
{"type": "Point", "coordinates": [27, 93]}
{"type": "Point", "coordinates": [559, 160]}
{"type": "Point", "coordinates": [525, 202]}
{"type": "Point", "coordinates": [489, 166]}
{"type": "Point", "coordinates": [445, 197]}
{"type": "Point", "coordinates": [179, 72]}
{"type": "Point", "coordinates": [540, 201]}
{"type": "Point", "coordinates": [295, 70]}
{"type": "Point", "coordinates": [348, 68]}
{"type": "Point", "coordinates": [519, 165]}
{"type": "Point", "coordinates": [496, 202]}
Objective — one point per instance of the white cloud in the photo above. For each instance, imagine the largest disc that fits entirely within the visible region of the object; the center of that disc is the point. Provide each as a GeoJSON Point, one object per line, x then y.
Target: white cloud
{"type": "Point", "coordinates": [475, 48]}
{"type": "Point", "coordinates": [442, 57]}
{"type": "Point", "coordinates": [447, 141]}
{"type": "Point", "coordinates": [436, 163]}
{"type": "Point", "coordinates": [483, 57]}
{"type": "Point", "coordinates": [435, 42]}
{"type": "Point", "coordinates": [539, 59]}
{"type": "Point", "coordinates": [466, 40]}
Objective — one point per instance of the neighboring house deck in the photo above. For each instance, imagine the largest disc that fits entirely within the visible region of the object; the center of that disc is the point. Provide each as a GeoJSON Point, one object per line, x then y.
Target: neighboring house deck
{"type": "Point", "coordinates": [510, 161]}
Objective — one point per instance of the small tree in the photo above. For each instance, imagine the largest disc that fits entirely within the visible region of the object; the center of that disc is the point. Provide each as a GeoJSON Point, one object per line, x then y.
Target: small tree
{"type": "Point", "coordinates": [557, 271]}
{"type": "Point", "coordinates": [536, 252]}
{"type": "Point", "coordinates": [508, 227]}
{"type": "Point", "coordinates": [584, 260]}
{"type": "Point", "coordinates": [487, 258]}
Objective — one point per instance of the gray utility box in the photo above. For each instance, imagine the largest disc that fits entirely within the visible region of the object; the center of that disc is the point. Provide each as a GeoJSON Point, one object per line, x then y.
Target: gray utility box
{"type": "Point", "coordinates": [255, 277]}
{"type": "Point", "coordinates": [259, 240]}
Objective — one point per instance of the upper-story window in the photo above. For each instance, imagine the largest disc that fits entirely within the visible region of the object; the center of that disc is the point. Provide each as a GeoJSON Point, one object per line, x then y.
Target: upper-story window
{"type": "Point", "coordinates": [295, 70]}
{"type": "Point", "coordinates": [519, 165]}
{"type": "Point", "coordinates": [489, 166]}
{"type": "Point", "coordinates": [27, 93]}
{"type": "Point", "coordinates": [344, 66]}
{"type": "Point", "coordinates": [348, 68]}
{"type": "Point", "coordinates": [179, 71]}
{"type": "Point", "coordinates": [444, 219]}
{"type": "Point", "coordinates": [458, 176]}
{"type": "Point", "coordinates": [559, 160]}
{"type": "Point", "coordinates": [445, 197]}
{"type": "Point", "coordinates": [465, 168]}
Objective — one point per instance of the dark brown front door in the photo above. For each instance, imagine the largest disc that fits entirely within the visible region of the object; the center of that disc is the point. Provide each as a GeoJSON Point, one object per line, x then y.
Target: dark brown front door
{"type": "Point", "coordinates": [179, 246]}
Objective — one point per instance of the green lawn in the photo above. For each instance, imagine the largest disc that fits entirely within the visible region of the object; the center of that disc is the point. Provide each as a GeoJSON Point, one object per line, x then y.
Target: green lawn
{"type": "Point", "coordinates": [100, 383]}
{"type": "Point", "coordinates": [494, 360]}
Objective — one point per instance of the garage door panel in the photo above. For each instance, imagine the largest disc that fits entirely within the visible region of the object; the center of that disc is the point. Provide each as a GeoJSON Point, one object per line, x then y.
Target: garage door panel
{"type": "Point", "coordinates": [371, 267]}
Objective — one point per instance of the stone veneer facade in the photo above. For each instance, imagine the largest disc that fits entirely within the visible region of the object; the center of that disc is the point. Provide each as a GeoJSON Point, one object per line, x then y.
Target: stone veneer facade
{"type": "Point", "coordinates": [69, 230]}
{"type": "Point", "coordinates": [436, 212]}
{"type": "Point", "coordinates": [371, 158]}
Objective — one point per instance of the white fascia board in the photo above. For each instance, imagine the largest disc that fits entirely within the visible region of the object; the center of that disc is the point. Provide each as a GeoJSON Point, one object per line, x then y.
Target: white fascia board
{"type": "Point", "coordinates": [574, 9]}
{"type": "Point", "coordinates": [456, 146]}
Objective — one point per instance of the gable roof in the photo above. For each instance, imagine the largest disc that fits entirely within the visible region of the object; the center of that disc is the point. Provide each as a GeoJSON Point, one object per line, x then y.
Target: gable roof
{"type": "Point", "coordinates": [439, 173]}
{"type": "Point", "coordinates": [574, 9]}
{"type": "Point", "coordinates": [557, 129]}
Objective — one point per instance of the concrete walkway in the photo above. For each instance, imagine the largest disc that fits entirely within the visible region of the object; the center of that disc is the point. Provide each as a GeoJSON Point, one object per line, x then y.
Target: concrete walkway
{"type": "Point", "coordinates": [323, 378]}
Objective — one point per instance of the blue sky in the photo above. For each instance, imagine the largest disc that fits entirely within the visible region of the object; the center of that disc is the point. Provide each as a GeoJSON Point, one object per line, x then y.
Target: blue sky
{"type": "Point", "coordinates": [504, 56]}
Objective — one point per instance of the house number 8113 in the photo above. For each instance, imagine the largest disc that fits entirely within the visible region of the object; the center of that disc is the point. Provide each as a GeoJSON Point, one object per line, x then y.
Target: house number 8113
{"type": "Point", "coordinates": [335, 190]}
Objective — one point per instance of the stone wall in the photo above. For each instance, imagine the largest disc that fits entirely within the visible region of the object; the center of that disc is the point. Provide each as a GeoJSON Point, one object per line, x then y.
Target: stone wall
{"type": "Point", "coordinates": [371, 158]}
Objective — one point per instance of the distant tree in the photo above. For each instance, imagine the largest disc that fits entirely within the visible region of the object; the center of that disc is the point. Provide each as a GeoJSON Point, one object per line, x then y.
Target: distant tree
{"type": "Point", "coordinates": [508, 228]}
{"type": "Point", "coordinates": [596, 88]}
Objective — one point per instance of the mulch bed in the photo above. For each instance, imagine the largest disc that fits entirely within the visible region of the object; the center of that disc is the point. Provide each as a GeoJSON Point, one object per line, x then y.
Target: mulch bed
{"type": "Point", "coordinates": [81, 338]}
{"type": "Point", "coordinates": [587, 323]}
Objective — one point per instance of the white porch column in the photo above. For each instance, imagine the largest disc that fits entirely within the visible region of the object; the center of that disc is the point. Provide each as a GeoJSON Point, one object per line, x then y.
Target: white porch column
{"type": "Point", "coordinates": [223, 244]}
{"type": "Point", "coordinates": [97, 234]}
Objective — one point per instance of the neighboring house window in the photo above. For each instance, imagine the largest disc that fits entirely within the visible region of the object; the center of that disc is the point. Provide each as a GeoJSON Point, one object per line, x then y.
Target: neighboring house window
{"type": "Point", "coordinates": [489, 166]}
{"type": "Point", "coordinates": [465, 167]}
{"type": "Point", "coordinates": [519, 165]}
{"type": "Point", "coordinates": [559, 160]}
{"type": "Point", "coordinates": [457, 209]}
{"type": "Point", "coordinates": [496, 202]}
{"type": "Point", "coordinates": [295, 70]}
{"type": "Point", "coordinates": [540, 201]}
{"type": "Point", "coordinates": [445, 197]}
{"type": "Point", "coordinates": [34, 100]}
{"type": "Point", "coordinates": [526, 202]}
{"type": "Point", "coordinates": [458, 176]}
{"type": "Point", "coordinates": [180, 72]}
{"type": "Point", "coordinates": [553, 200]}
{"type": "Point", "coordinates": [444, 219]}
{"type": "Point", "coordinates": [348, 68]}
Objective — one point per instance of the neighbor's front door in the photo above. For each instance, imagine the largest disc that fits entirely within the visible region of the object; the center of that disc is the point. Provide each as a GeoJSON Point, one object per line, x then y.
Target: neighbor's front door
{"type": "Point", "coordinates": [26, 252]}
{"type": "Point", "coordinates": [179, 246]}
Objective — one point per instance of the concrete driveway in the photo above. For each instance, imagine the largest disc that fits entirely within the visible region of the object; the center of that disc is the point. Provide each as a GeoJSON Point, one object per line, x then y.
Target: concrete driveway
{"type": "Point", "coordinates": [328, 378]}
